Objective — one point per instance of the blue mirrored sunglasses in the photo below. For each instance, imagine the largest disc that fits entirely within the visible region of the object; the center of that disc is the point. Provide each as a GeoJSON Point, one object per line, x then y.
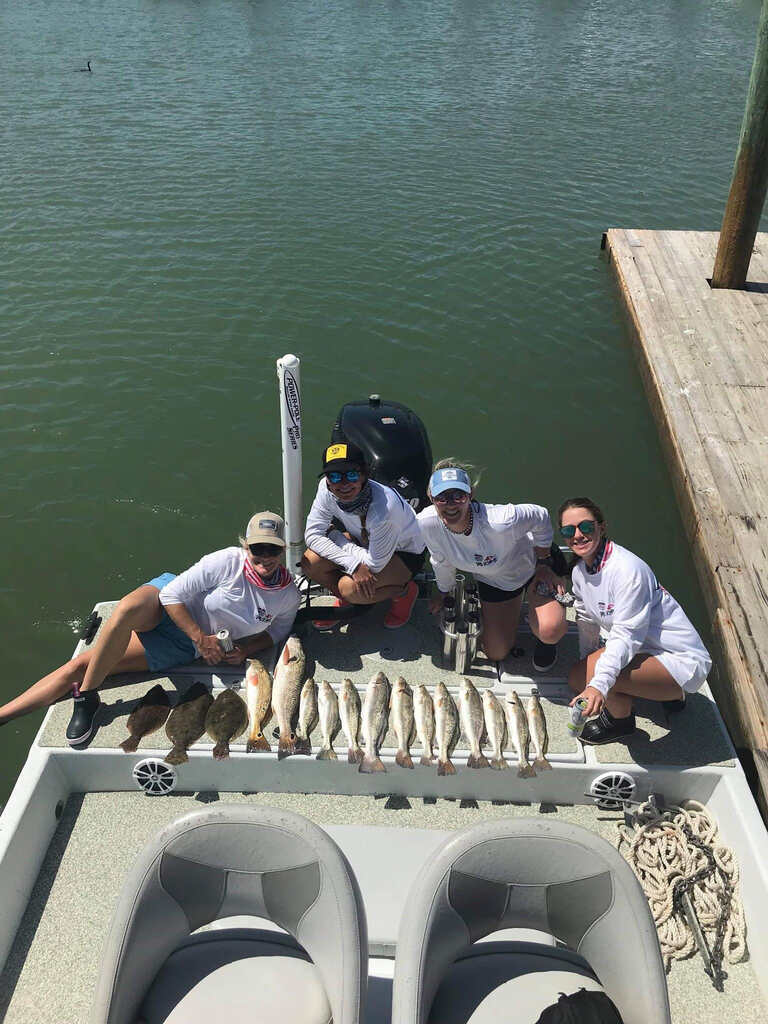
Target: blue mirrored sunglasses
{"type": "Point", "coordinates": [587, 527]}
{"type": "Point", "coordinates": [335, 477]}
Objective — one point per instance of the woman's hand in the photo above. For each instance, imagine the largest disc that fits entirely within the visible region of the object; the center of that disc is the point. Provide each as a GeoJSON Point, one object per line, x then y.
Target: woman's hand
{"type": "Point", "coordinates": [594, 699]}
{"type": "Point", "coordinates": [365, 581]}
{"type": "Point", "coordinates": [436, 603]}
{"type": "Point", "coordinates": [210, 649]}
{"type": "Point", "coordinates": [545, 575]}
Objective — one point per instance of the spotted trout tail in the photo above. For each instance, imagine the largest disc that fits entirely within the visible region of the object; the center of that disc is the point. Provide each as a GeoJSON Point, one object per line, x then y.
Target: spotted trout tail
{"type": "Point", "coordinates": [445, 767]}
{"type": "Point", "coordinates": [404, 759]}
{"type": "Point", "coordinates": [428, 761]}
{"type": "Point", "coordinates": [477, 761]}
{"type": "Point", "coordinates": [354, 755]}
{"type": "Point", "coordinates": [327, 754]}
{"type": "Point", "coordinates": [541, 764]}
{"type": "Point", "coordinates": [498, 763]}
{"type": "Point", "coordinates": [286, 747]}
{"type": "Point", "coordinates": [371, 764]}
{"type": "Point", "coordinates": [255, 743]}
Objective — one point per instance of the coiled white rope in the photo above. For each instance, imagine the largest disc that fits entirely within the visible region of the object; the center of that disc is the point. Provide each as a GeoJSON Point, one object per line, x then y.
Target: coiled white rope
{"type": "Point", "coordinates": [659, 852]}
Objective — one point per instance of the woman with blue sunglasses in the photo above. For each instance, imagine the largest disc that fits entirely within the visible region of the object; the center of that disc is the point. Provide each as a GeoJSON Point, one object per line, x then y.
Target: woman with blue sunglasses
{"type": "Point", "coordinates": [379, 549]}
{"type": "Point", "coordinates": [508, 550]}
{"type": "Point", "coordinates": [634, 638]}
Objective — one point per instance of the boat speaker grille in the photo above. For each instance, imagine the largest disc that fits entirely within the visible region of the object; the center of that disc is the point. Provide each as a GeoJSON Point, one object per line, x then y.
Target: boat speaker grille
{"type": "Point", "coordinates": [154, 776]}
{"type": "Point", "coordinates": [612, 790]}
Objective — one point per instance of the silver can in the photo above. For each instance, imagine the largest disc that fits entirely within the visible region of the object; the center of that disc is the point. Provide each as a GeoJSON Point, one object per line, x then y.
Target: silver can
{"type": "Point", "coordinates": [577, 719]}
{"type": "Point", "coordinates": [225, 641]}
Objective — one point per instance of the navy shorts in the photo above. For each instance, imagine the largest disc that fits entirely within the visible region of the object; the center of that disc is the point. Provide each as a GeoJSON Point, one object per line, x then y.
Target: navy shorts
{"type": "Point", "coordinates": [166, 645]}
{"type": "Point", "coordinates": [412, 560]}
{"type": "Point", "coordinates": [493, 595]}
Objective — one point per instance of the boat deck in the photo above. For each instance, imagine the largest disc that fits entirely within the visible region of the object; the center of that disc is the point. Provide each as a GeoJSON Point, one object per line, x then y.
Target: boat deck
{"type": "Point", "coordinates": [50, 973]}
{"type": "Point", "coordinates": [100, 834]}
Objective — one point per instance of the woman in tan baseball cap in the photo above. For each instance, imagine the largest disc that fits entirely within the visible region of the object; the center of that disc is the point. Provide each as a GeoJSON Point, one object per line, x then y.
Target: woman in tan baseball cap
{"type": "Point", "coordinates": [172, 620]}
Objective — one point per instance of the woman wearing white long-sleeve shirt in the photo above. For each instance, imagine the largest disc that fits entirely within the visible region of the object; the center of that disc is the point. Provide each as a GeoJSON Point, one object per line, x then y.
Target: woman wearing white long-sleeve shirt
{"type": "Point", "coordinates": [651, 649]}
{"type": "Point", "coordinates": [172, 620]}
{"type": "Point", "coordinates": [507, 550]}
{"type": "Point", "coordinates": [380, 548]}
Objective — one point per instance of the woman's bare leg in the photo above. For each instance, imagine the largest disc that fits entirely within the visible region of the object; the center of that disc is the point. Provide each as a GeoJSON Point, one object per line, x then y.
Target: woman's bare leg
{"type": "Point", "coordinates": [546, 617]}
{"type": "Point", "coordinates": [138, 612]}
{"type": "Point", "coordinates": [500, 621]}
{"type": "Point", "coordinates": [125, 653]}
{"type": "Point", "coordinates": [390, 582]}
{"type": "Point", "coordinates": [645, 676]}
{"type": "Point", "coordinates": [321, 570]}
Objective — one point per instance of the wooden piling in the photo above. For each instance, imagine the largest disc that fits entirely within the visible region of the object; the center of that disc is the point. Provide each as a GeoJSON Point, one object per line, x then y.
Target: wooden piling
{"type": "Point", "coordinates": [703, 355]}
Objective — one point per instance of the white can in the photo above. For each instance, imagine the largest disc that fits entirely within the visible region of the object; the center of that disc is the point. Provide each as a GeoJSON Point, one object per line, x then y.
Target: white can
{"type": "Point", "coordinates": [225, 641]}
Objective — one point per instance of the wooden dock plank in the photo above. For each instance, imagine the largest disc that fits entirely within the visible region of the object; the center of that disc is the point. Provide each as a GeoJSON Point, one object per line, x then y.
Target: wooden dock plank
{"type": "Point", "coordinates": [703, 357]}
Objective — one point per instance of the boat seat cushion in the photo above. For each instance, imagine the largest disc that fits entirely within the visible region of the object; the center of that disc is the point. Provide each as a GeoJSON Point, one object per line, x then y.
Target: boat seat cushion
{"type": "Point", "coordinates": [517, 984]}
{"type": "Point", "coordinates": [238, 981]}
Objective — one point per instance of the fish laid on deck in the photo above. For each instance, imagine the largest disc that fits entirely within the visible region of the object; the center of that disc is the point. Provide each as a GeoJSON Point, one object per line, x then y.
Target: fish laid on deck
{"type": "Point", "coordinates": [286, 691]}
{"type": "Point", "coordinates": [186, 723]}
{"type": "Point", "coordinates": [258, 695]}
{"type": "Point", "coordinates": [328, 712]}
{"type": "Point", "coordinates": [424, 715]}
{"type": "Point", "coordinates": [537, 725]}
{"type": "Point", "coordinates": [149, 715]}
{"type": "Point", "coordinates": [350, 711]}
{"type": "Point", "coordinates": [472, 722]}
{"type": "Point", "coordinates": [375, 718]}
{"type": "Point", "coordinates": [519, 734]}
{"type": "Point", "coordinates": [403, 721]}
{"type": "Point", "coordinates": [226, 719]}
{"type": "Point", "coordinates": [495, 727]}
{"type": "Point", "coordinates": [446, 728]}
{"type": "Point", "coordinates": [307, 717]}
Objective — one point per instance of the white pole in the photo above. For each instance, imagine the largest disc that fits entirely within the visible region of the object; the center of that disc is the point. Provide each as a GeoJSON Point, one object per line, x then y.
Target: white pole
{"type": "Point", "coordinates": [289, 381]}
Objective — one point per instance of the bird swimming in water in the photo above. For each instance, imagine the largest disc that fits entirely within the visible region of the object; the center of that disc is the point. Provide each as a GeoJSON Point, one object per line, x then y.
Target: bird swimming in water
{"type": "Point", "coordinates": [89, 68]}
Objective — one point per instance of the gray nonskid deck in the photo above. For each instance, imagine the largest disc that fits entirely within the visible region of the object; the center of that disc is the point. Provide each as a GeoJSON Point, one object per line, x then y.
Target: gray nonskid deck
{"type": "Point", "coordinates": [51, 972]}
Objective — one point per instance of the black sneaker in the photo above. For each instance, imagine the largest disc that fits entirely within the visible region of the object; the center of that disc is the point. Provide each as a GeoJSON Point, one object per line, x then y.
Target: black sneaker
{"type": "Point", "coordinates": [544, 656]}
{"type": "Point", "coordinates": [605, 728]}
{"type": "Point", "coordinates": [81, 723]}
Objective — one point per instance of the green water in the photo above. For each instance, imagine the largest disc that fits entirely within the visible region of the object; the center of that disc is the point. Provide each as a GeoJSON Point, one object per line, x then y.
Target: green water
{"type": "Point", "coordinates": [410, 195]}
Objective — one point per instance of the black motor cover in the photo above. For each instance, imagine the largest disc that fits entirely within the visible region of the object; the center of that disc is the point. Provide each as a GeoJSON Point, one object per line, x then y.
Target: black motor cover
{"type": "Point", "coordinates": [395, 444]}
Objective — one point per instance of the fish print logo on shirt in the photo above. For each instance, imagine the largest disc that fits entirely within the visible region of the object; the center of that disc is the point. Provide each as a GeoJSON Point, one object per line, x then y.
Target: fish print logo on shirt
{"type": "Point", "coordinates": [482, 560]}
{"type": "Point", "coordinates": [606, 609]}
{"type": "Point", "coordinates": [264, 615]}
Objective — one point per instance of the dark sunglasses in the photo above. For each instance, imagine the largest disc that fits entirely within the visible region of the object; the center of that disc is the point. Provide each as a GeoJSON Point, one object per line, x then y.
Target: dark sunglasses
{"type": "Point", "coordinates": [587, 527]}
{"type": "Point", "coordinates": [452, 497]}
{"type": "Point", "coordinates": [265, 550]}
{"type": "Point", "coordinates": [335, 477]}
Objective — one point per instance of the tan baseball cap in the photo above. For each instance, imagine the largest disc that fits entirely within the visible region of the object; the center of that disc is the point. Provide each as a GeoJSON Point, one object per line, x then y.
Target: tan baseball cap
{"type": "Point", "coordinates": [265, 528]}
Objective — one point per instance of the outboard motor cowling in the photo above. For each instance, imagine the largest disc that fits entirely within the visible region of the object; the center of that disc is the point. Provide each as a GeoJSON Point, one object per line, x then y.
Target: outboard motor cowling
{"type": "Point", "coordinates": [394, 442]}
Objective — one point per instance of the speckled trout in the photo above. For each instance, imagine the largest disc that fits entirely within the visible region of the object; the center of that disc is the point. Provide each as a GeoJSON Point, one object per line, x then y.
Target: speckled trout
{"type": "Point", "coordinates": [446, 729]}
{"type": "Point", "coordinates": [472, 722]}
{"type": "Point", "coordinates": [375, 717]}
{"type": "Point", "coordinates": [537, 725]}
{"type": "Point", "coordinates": [496, 727]}
{"type": "Point", "coordinates": [350, 713]}
{"type": "Point", "coordinates": [517, 730]}
{"type": "Point", "coordinates": [402, 721]}
{"type": "Point", "coordinates": [328, 710]}
{"type": "Point", "coordinates": [424, 715]}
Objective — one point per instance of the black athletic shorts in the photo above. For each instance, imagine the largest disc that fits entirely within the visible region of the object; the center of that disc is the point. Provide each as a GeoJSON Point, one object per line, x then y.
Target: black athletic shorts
{"type": "Point", "coordinates": [493, 595]}
{"type": "Point", "coordinates": [412, 560]}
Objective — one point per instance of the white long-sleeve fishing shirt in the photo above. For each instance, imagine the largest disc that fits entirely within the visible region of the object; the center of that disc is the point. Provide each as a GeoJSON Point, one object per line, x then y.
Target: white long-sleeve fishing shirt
{"type": "Point", "coordinates": [390, 523]}
{"type": "Point", "coordinates": [635, 613]}
{"type": "Point", "coordinates": [499, 550]}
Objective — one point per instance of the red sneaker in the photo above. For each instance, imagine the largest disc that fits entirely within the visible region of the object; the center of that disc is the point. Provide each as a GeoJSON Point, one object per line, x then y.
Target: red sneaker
{"type": "Point", "coordinates": [327, 624]}
{"type": "Point", "coordinates": [401, 607]}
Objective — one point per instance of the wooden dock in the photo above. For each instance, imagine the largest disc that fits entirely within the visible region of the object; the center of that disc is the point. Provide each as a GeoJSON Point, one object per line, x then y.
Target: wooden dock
{"type": "Point", "coordinates": [703, 355]}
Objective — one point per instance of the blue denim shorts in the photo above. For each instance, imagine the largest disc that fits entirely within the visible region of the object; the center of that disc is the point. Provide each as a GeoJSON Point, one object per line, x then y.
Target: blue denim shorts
{"type": "Point", "coordinates": [166, 645]}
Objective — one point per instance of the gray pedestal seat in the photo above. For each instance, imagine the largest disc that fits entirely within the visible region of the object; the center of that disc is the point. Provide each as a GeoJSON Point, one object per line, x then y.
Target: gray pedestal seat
{"type": "Point", "coordinates": [219, 863]}
{"type": "Point", "coordinates": [524, 873]}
